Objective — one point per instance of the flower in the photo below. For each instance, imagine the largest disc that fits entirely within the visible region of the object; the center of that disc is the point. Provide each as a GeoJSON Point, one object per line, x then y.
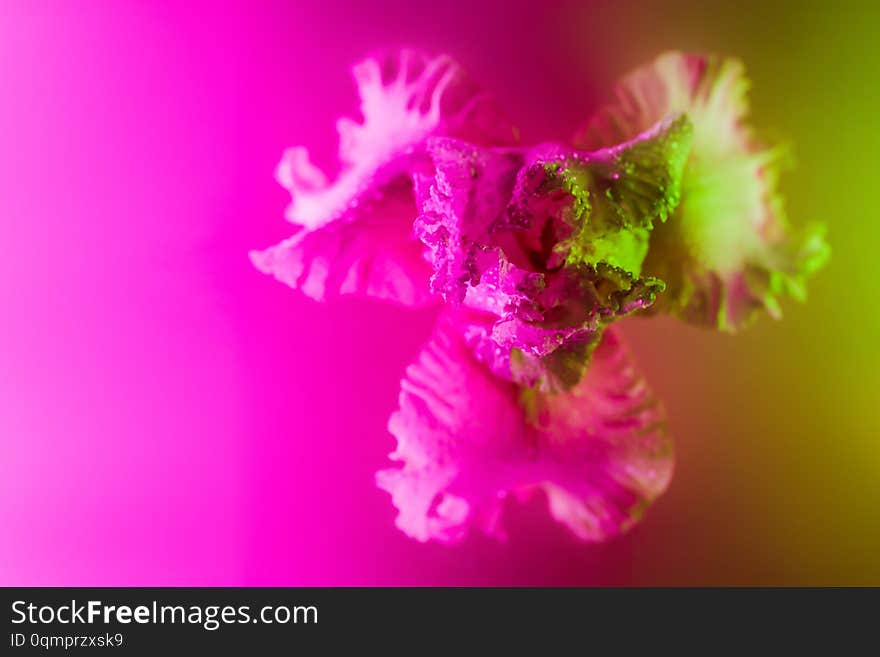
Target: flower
{"type": "Point", "coordinates": [355, 232]}
{"type": "Point", "coordinates": [728, 251]}
{"type": "Point", "coordinates": [468, 440]}
{"type": "Point", "coordinates": [665, 202]}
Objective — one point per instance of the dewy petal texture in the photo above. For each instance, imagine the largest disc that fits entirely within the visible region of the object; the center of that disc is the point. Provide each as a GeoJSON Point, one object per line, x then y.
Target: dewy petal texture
{"type": "Point", "coordinates": [468, 439]}
{"type": "Point", "coordinates": [355, 232]}
{"type": "Point", "coordinates": [727, 251]}
{"type": "Point", "coordinates": [550, 240]}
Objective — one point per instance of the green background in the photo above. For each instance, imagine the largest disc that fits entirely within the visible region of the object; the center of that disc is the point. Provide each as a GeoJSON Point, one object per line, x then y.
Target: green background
{"type": "Point", "coordinates": [777, 428]}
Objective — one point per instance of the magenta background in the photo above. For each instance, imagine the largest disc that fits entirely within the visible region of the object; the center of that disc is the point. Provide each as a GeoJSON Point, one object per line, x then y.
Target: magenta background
{"type": "Point", "coordinates": [170, 416]}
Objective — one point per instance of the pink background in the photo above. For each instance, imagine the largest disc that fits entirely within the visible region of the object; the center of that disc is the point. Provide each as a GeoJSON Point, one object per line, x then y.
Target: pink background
{"type": "Point", "coordinates": [170, 416]}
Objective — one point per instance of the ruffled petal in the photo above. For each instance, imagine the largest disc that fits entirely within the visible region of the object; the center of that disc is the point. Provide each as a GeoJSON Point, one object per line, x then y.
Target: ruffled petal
{"type": "Point", "coordinates": [711, 90]}
{"type": "Point", "coordinates": [406, 97]}
{"type": "Point", "coordinates": [467, 440]}
{"type": "Point", "coordinates": [728, 251]}
{"type": "Point", "coordinates": [549, 240]}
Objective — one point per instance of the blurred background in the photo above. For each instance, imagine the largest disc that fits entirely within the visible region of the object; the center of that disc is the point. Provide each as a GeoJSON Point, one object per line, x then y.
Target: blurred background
{"type": "Point", "coordinates": [169, 416]}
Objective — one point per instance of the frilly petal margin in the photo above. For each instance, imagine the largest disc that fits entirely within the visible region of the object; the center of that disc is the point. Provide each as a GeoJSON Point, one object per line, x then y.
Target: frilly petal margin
{"type": "Point", "coordinates": [727, 253]}
{"type": "Point", "coordinates": [406, 97]}
{"type": "Point", "coordinates": [468, 440]}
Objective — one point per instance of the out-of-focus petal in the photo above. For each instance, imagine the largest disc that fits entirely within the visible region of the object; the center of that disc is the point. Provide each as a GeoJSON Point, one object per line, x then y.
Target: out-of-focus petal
{"type": "Point", "coordinates": [467, 440]}
{"type": "Point", "coordinates": [406, 97]}
{"type": "Point", "coordinates": [728, 250]}
{"type": "Point", "coordinates": [711, 90]}
{"type": "Point", "coordinates": [369, 257]}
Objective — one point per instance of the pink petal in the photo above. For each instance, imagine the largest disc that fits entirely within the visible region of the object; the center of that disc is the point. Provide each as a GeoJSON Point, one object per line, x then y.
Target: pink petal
{"type": "Point", "coordinates": [368, 257]}
{"type": "Point", "coordinates": [467, 440]}
{"type": "Point", "coordinates": [406, 97]}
